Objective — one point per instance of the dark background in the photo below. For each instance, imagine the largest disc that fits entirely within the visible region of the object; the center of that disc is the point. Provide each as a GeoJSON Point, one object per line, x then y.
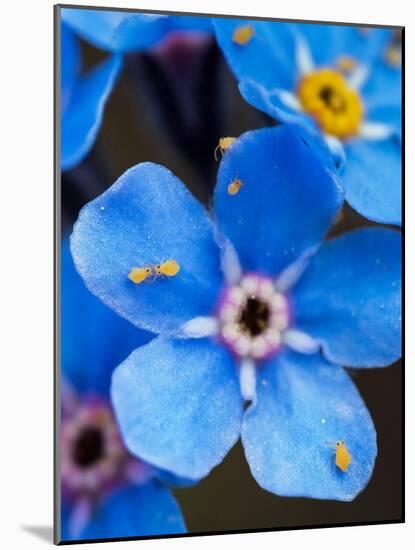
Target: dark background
{"type": "Point", "coordinates": [170, 107]}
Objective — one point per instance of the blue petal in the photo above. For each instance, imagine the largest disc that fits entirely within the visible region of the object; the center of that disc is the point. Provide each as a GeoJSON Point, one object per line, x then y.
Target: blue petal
{"type": "Point", "coordinates": [267, 58]}
{"type": "Point", "coordinates": [82, 118]}
{"type": "Point", "coordinates": [147, 217]}
{"type": "Point", "coordinates": [329, 42]}
{"type": "Point", "coordinates": [372, 179]}
{"type": "Point", "coordinates": [189, 23]}
{"type": "Point", "coordinates": [385, 80]}
{"type": "Point", "coordinates": [389, 114]}
{"type": "Point", "coordinates": [286, 204]}
{"type": "Point", "coordinates": [148, 510]}
{"type": "Point", "coordinates": [350, 298]}
{"type": "Point", "coordinates": [383, 95]}
{"type": "Point", "coordinates": [70, 64]}
{"type": "Point", "coordinates": [271, 104]}
{"type": "Point", "coordinates": [304, 407]}
{"type": "Point", "coordinates": [178, 404]}
{"type": "Point", "coordinates": [94, 340]}
{"type": "Point", "coordinates": [116, 31]}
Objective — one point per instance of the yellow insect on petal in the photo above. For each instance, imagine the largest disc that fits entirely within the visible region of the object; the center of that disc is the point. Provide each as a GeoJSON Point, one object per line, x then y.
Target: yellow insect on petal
{"type": "Point", "coordinates": [234, 187]}
{"type": "Point", "coordinates": [169, 268]}
{"type": "Point", "coordinates": [139, 274]}
{"type": "Point", "coordinates": [226, 142]}
{"type": "Point", "coordinates": [242, 35]}
{"type": "Point", "coordinates": [223, 145]}
{"type": "Point", "coordinates": [343, 457]}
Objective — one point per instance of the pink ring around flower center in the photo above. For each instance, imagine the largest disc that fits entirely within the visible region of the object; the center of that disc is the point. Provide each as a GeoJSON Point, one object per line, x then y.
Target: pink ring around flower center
{"type": "Point", "coordinates": [93, 456]}
{"type": "Point", "coordinates": [252, 316]}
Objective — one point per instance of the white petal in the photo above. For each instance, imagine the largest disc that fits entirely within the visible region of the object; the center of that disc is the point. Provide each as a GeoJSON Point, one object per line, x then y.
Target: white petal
{"type": "Point", "coordinates": [300, 341]}
{"type": "Point", "coordinates": [336, 147]}
{"type": "Point", "coordinates": [200, 327]}
{"type": "Point", "coordinates": [230, 263]}
{"type": "Point", "coordinates": [303, 56]}
{"type": "Point", "coordinates": [290, 275]}
{"type": "Point", "coordinates": [358, 77]}
{"type": "Point", "coordinates": [375, 131]}
{"type": "Point", "coordinates": [289, 99]}
{"type": "Point", "coordinates": [247, 380]}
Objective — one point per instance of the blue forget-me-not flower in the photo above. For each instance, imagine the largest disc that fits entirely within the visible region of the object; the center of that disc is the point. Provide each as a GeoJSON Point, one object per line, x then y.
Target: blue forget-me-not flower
{"type": "Point", "coordinates": [83, 97]}
{"type": "Point", "coordinates": [105, 491]}
{"type": "Point", "coordinates": [340, 83]}
{"type": "Point", "coordinates": [258, 309]}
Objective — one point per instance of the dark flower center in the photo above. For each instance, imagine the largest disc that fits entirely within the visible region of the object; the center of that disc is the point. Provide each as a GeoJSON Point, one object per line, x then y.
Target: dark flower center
{"type": "Point", "coordinates": [254, 317]}
{"type": "Point", "coordinates": [88, 447]}
{"type": "Point", "coordinates": [334, 101]}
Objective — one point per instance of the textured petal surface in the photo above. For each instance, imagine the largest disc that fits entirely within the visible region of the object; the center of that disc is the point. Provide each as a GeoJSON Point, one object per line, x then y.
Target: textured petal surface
{"type": "Point", "coordinates": [82, 118]}
{"type": "Point", "coordinates": [147, 217]}
{"type": "Point", "coordinates": [266, 58]}
{"type": "Point", "coordinates": [304, 407]}
{"type": "Point", "coordinates": [350, 298]}
{"type": "Point", "coordinates": [372, 179]}
{"type": "Point", "coordinates": [116, 31]}
{"type": "Point", "coordinates": [178, 404]}
{"type": "Point", "coordinates": [286, 204]}
{"type": "Point", "coordinates": [148, 510]}
{"type": "Point", "coordinates": [94, 339]}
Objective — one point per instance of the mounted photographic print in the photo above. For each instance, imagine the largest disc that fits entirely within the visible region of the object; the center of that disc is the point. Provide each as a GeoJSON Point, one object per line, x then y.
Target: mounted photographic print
{"type": "Point", "coordinates": [228, 274]}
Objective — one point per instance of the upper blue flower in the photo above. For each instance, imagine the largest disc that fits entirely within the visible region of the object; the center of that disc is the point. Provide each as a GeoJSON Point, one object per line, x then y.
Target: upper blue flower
{"type": "Point", "coordinates": [120, 31]}
{"type": "Point", "coordinates": [106, 492]}
{"type": "Point", "coordinates": [341, 83]}
{"type": "Point", "coordinates": [83, 98]}
{"type": "Point", "coordinates": [260, 310]}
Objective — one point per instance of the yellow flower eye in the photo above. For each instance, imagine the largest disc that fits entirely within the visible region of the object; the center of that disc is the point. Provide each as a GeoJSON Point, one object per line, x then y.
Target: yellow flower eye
{"type": "Point", "coordinates": [334, 105]}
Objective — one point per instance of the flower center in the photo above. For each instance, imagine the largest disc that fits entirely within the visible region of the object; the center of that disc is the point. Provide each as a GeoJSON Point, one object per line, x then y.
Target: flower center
{"type": "Point", "coordinates": [336, 107]}
{"type": "Point", "coordinates": [93, 456]}
{"type": "Point", "coordinates": [253, 315]}
{"type": "Point", "coordinates": [88, 447]}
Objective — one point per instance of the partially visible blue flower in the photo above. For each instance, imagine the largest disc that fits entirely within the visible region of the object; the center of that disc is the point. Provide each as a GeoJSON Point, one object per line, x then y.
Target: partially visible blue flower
{"type": "Point", "coordinates": [83, 98]}
{"type": "Point", "coordinates": [105, 491]}
{"type": "Point", "coordinates": [261, 311]}
{"type": "Point", "coordinates": [340, 83]}
{"type": "Point", "coordinates": [120, 31]}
